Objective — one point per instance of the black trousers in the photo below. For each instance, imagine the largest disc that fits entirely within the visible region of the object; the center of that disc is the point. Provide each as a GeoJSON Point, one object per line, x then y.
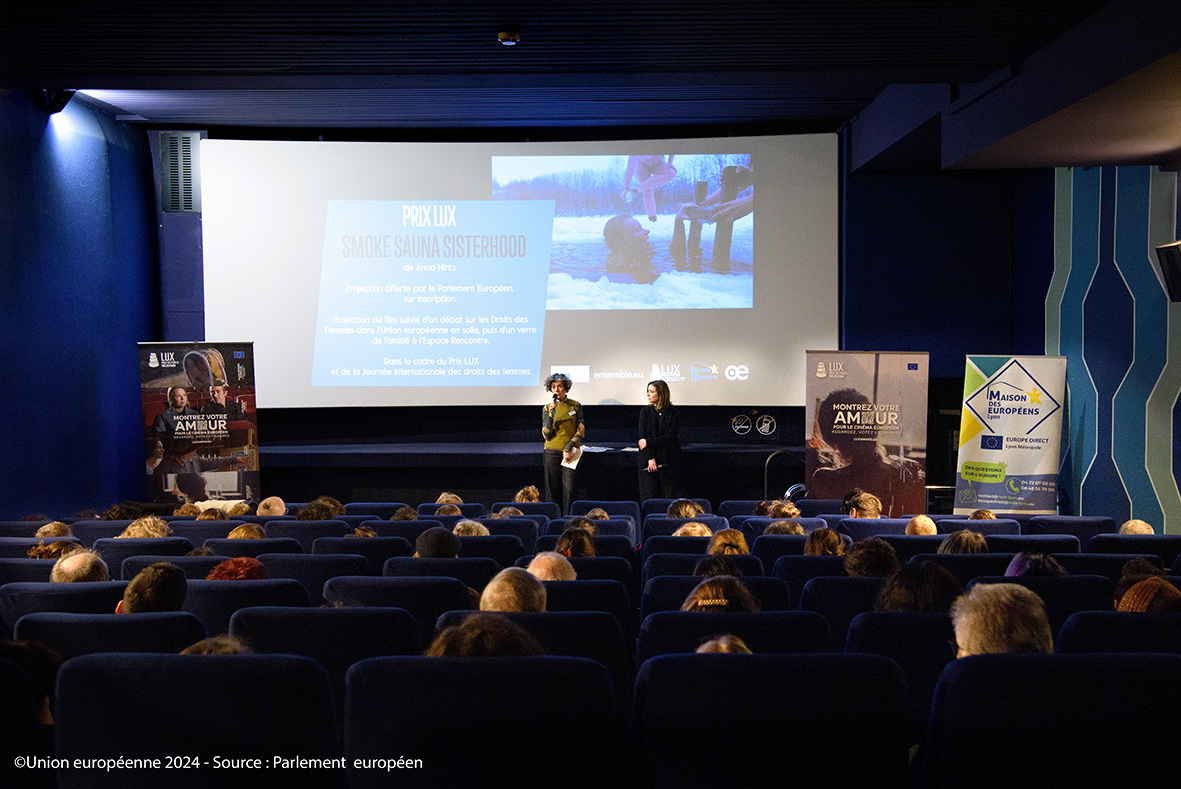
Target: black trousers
{"type": "Point", "coordinates": [559, 480]}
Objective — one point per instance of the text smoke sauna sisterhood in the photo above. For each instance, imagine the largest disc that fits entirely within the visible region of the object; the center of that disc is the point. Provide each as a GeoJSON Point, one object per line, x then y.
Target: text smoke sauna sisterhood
{"type": "Point", "coordinates": [432, 246]}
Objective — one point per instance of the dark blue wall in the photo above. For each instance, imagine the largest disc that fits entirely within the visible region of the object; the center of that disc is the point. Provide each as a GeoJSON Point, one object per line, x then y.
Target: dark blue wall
{"type": "Point", "coordinates": [77, 256]}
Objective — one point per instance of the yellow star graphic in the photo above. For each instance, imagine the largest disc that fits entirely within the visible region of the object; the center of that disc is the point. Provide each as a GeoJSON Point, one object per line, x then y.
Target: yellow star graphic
{"type": "Point", "coordinates": [1035, 396]}
{"type": "Point", "coordinates": [713, 368]}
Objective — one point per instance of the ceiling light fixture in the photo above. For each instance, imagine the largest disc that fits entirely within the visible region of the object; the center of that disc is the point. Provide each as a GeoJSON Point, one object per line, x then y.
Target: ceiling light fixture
{"type": "Point", "coordinates": [507, 38]}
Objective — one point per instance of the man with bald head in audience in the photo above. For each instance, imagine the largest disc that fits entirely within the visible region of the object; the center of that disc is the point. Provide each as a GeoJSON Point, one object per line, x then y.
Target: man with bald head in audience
{"type": "Point", "coordinates": [552, 566]}
{"type": "Point", "coordinates": [271, 507]}
{"type": "Point", "coordinates": [80, 566]}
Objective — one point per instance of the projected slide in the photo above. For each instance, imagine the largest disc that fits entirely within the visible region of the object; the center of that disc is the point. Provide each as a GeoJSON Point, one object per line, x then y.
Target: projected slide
{"type": "Point", "coordinates": [432, 294]}
{"type": "Point", "coordinates": [380, 273]}
{"type": "Point", "coordinates": [642, 232]}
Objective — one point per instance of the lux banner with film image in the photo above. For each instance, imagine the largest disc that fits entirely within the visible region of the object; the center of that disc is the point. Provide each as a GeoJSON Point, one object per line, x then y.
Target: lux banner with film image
{"type": "Point", "coordinates": [1010, 433]}
{"type": "Point", "coordinates": [868, 413]}
{"type": "Point", "coordinates": [200, 423]}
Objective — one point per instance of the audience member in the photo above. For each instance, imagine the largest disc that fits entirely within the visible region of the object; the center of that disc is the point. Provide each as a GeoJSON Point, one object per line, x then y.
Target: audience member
{"type": "Point", "coordinates": [54, 550]}
{"type": "Point", "coordinates": [693, 529]}
{"type": "Point", "coordinates": [847, 503]}
{"type": "Point", "coordinates": [200, 550]}
{"type": "Point", "coordinates": [552, 566]}
{"type": "Point", "coordinates": [1153, 595]}
{"type": "Point", "coordinates": [240, 568]}
{"type": "Point", "coordinates": [247, 531]}
{"type": "Point", "coordinates": [314, 511]}
{"type": "Point", "coordinates": [237, 509]}
{"type": "Point", "coordinates": [187, 510]}
{"type": "Point", "coordinates": [963, 541]}
{"type": "Point", "coordinates": [80, 566]}
{"type": "Point", "coordinates": [824, 542]}
{"type": "Point", "coordinates": [1136, 526]}
{"type": "Point", "coordinates": [872, 557]}
{"type": "Point", "coordinates": [684, 508]}
{"type": "Point", "coordinates": [469, 528]}
{"type": "Point", "coordinates": [334, 506]}
{"type": "Point", "coordinates": [484, 635]}
{"type": "Point", "coordinates": [527, 495]}
{"type": "Point", "coordinates": [982, 515]}
{"type": "Point", "coordinates": [271, 506]}
{"type": "Point", "coordinates": [449, 509]}
{"type": "Point", "coordinates": [598, 514]}
{"type": "Point", "coordinates": [575, 542]}
{"type": "Point", "coordinates": [149, 526]}
{"type": "Point", "coordinates": [784, 527]}
{"type": "Point", "coordinates": [54, 529]}
{"type": "Point", "coordinates": [1033, 564]}
{"type": "Point", "coordinates": [726, 644]}
{"type": "Point", "coordinates": [404, 513]}
{"type": "Point", "coordinates": [448, 498]}
{"type": "Point", "coordinates": [783, 509]}
{"type": "Point", "coordinates": [158, 587]}
{"type": "Point", "coordinates": [584, 523]}
{"type": "Point", "coordinates": [716, 564]}
{"type": "Point", "coordinates": [1133, 572]}
{"type": "Point", "coordinates": [994, 618]}
{"type": "Point", "coordinates": [728, 541]}
{"type": "Point", "coordinates": [723, 593]}
{"type": "Point", "coordinates": [921, 525]}
{"type": "Point", "coordinates": [513, 589]}
{"type": "Point", "coordinates": [218, 645]}
{"type": "Point", "coordinates": [507, 512]}
{"type": "Point", "coordinates": [121, 512]}
{"type": "Point", "coordinates": [362, 531]}
{"type": "Point", "coordinates": [865, 505]}
{"type": "Point", "coordinates": [213, 514]}
{"type": "Point", "coordinates": [924, 587]}
{"type": "Point", "coordinates": [437, 543]}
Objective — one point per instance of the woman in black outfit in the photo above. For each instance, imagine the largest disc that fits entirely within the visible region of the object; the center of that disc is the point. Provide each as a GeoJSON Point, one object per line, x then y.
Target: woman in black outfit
{"type": "Point", "coordinates": [660, 446]}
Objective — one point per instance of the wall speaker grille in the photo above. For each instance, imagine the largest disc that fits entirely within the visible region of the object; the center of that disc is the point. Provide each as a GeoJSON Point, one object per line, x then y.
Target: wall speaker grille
{"type": "Point", "coordinates": [179, 185]}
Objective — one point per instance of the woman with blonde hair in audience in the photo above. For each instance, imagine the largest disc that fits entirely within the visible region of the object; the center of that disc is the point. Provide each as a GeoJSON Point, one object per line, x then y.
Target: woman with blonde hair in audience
{"type": "Point", "coordinates": [824, 542]}
{"type": "Point", "coordinates": [54, 550]}
{"type": "Point", "coordinates": [527, 495]}
{"type": "Point", "coordinates": [149, 526]}
{"type": "Point", "coordinates": [213, 514]}
{"type": "Point", "coordinates": [598, 514]}
{"type": "Point", "coordinates": [722, 593]}
{"type": "Point", "coordinates": [247, 531]}
{"type": "Point", "coordinates": [783, 509]}
{"type": "Point", "coordinates": [187, 510]}
{"type": "Point", "coordinates": [507, 512]}
{"type": "Point", "coordinates": [449, 509]}
{"type": "Point", "coordinates": [684, 508]}
{"type": "Point", "coordinates": [728, 541]}
{"type": "Point", "coordinates": [468, 528]}
{"type": "Point", "coordinates": [982, 515]}
{"type": "Point", "coordinates": [575, 542]}
{"type": "Point", "coordinates": [693, 529]}
{"type": "Point", "coordinates": [362, 532]}
{"type": "Point", "coordinates": [963, 541]}
{"type": "Point", "coordinates": [784, 527]}
{"type": "Point", "coordinates": [448, 498]}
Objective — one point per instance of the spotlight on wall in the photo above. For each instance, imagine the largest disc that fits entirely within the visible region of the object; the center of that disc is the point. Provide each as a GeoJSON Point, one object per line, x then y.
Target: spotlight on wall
{"type": "Point", "coordinates": [54, 101]}
{"type": "Point", "coordinates": [508, 38]}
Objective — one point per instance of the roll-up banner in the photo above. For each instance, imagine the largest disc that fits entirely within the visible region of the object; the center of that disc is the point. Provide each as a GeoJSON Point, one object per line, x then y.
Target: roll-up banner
{"type": "Point", "coordinates": [200, 422]}
{"type": "Point", "coordinates": [1010, 433]}
{"type": "Point", "coordinates": [868, 413]}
